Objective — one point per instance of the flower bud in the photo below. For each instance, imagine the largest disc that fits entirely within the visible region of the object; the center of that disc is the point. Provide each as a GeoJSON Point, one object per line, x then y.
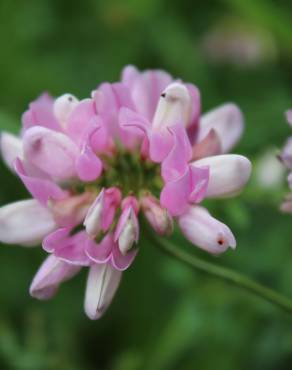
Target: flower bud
{"type": "Point", "coordinates": [63, 106]}
{"type": "Point", "coordinates": [203, 230]}
{"type": "Point", "coordinates": [174, 106]}
{"type": "Point", "coordinates": [50, 275]}
{"type": "Point", "coordinates": [93, 219]}
{"type": "Point", "coordinates": [102, 283]}
{"type": "Point", "coordinates": [127, 231]}
{"type": "Point", "coordinates": [25, 222]}
{"type": "Point", "coordinates": [158, 217]}
{"type": "Point", "coordinates": [229, 173]}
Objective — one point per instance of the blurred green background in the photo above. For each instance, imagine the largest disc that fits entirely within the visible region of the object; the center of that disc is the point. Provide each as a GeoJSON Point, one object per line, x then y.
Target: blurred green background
{"type": "Point", "coordinates": [165, 316]}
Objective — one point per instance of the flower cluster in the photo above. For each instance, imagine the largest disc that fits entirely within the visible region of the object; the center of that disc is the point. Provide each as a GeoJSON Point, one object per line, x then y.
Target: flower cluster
{"type": "Point", "coordinates": [94, 166]}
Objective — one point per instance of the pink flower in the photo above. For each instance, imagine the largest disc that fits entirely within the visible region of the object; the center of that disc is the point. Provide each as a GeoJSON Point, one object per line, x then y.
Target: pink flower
{"type": "Point", "coordinates": [286, 158]}
{"type": "Point", "coordinates": [93, 166]}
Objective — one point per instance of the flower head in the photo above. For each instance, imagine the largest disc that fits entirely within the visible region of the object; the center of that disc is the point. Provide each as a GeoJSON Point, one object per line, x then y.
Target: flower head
{"type": "Point", "coordinates": [94, 166]}
{"type": "Point", "coordinates": [286, 158]}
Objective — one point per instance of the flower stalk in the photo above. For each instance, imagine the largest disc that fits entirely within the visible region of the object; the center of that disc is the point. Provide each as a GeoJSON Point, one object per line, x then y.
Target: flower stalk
{"type": "Point", "coordinates": [227, 274]}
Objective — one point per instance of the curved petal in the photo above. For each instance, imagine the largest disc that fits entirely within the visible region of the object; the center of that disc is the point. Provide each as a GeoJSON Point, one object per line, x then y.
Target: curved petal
{"type": "Point", "coordinates": [209, 146]}
{"type": "Point", "coordinates": [176, 163]}
{"type": "Point", "coordinates": [174, 107]}
{"type": "Point", "coordinates": [55, 239]}
{"type": "Point", "coordinates": [112, 200]}
{"type": "Point", "coordinates": [175, 194]}
{"type": "Point", "coordinates": [50, 151]}
{"type": "Point", "coordinates": [63, 107]}
{"type": "Point", "coordinates": [203, 230]}
{"type": "Point", "coordinates": [25, 222]}
{"type": "Point", "coordinates": [160, 144]}
{"type": "Point", "coordinates": [229, 173]}
{"type": "Point", "coordinates": [129, 119]}
{"type": "Point", "coordinates": [72, 250]}
{"type": "Point", "coordinates": [93, 218]}
{"type": "Point", "coordinates": [127, 230]}
{"type": "Point", "coordinates": [199, 183]}
{"type": "Point", "coordinates": [122, 262]}
{"type": "Point", "coordinates": [158, 217]}
{"type": "Point", "coordinates": [40, 188]}
{"type": "Point", "coordinates": [11, 148]}
{"type": "Point", "coordinates": [227, 121]}
{"type": "Point", "coordinates": [193, 124]}
{"type": "Point", "coordinates": [145, 88]}
{"type": "Point", "coordinates": [100, 253]}
{"type": "Point", "coordinates": [50, 275]}
{"type": "Point", "coordinates": [40, 113]}
{"type": "Point", "coordinates": [79, 120]}
{"type": "Point", "coordinates": [88, 165]}
{"type": "Point", "coordinates": [102, 284]}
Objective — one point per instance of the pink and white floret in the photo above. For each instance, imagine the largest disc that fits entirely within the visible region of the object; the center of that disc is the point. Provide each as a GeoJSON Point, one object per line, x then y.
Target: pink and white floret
{"type": "Point", "coordinates": [138, 147]}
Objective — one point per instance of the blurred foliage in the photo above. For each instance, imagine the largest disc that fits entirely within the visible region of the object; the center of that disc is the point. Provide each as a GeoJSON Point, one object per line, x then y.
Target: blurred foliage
{"type": "Point", "coordinates": [164, 317]}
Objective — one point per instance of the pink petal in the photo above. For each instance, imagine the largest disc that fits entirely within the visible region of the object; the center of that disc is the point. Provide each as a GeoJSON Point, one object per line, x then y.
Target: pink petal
{"type": "Point", "coordinates": [175, 194]}
{"type": "Point", "coordinates": [227, 121]}
{"type": "Point", "coordinates": [193, 124]}
{"type": "Point", "coordinates": [158, 217]}
{"type": "Point", "coordinates": [101, 252]}
{"type": "Point", "coordinates": [122, 262]}
{"type": "Point", "coordinates": [40, 113]}
{"type": "Point", "coordinates": [73, 250]}
{"type": "Point", "coordinates": [208, 147]}
{"type": "Point", "coordinates": [111, 202]}
{"type": "Point", "coordinates": [50, 275]}
{"type": "Point", "coordinates": [25, 222]}
{"type": "Point", "coordinates": [160, 144]}
{"type": "Point", "coordinates": [203, 230]}
{"type": "Point", "coordinates": [52, 152]}
{"type": "Point", "coordinates": [176, 163]}
{"type": "Point", "coordinates": [129, 119]}
{"type": "Point", "coordinates": [146, 88]}
{"type": "Point", "coordinates": [199, 183]}
{"type": "Point", "coordinates": [79, 120]}
{"type": "Point", "coordinates": [71, 211]}
{"type": "Point", "coordinates": [40, 188]}
{"type": "Point", "coordinates": [129, 75]}
{"type": "Point", "coordinates": [56, 240]}
{"type": "Point", "coordinates": [110, 98]}
{"type": "Point", "coordinates": [229, 173]}
{"type": "Point", "coordinates": [88, 165]}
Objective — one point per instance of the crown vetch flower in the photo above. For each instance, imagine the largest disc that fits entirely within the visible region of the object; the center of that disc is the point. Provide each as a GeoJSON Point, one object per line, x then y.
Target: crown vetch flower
{"type": "Point", "coordinates": [286, 158]}
{"type": "Point", "coordinates": [93, 166]}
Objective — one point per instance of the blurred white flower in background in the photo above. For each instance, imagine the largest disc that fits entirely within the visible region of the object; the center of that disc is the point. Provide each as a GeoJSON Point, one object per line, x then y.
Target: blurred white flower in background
{"type": "Point", "coordinates": [269, 171]}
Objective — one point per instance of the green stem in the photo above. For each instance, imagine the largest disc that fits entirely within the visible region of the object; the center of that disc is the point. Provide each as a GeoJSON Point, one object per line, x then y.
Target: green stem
{"type": "Point", "coordinates": [226, 274]}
